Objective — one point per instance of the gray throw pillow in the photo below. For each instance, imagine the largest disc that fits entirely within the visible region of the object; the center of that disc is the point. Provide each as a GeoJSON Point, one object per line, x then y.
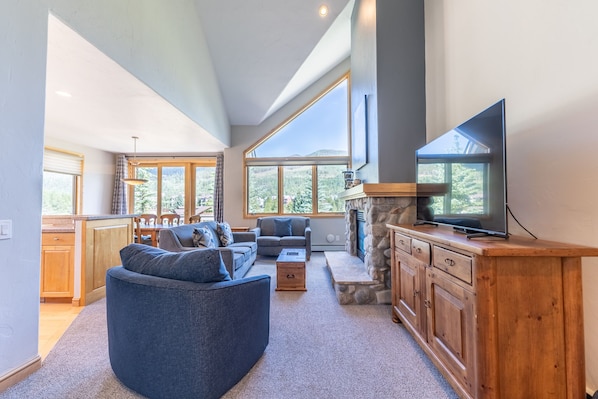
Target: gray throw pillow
{"type": "Point", "coordinates": [282, 227]}
{"type": "Point", "coordinates": [200, 266]}
{"type": "Point", "coordinates": [203, 237]}
{"type": "Point", "coordinates": [225, 234]}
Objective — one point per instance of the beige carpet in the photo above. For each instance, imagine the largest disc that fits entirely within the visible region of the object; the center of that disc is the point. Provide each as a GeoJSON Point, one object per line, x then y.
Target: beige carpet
{"type": "Point", "coordinates": [317, 349]}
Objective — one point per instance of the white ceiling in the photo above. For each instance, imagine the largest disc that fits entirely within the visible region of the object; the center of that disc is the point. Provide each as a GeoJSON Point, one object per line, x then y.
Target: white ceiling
{"type": "Point", "coordinates": [265, 52]}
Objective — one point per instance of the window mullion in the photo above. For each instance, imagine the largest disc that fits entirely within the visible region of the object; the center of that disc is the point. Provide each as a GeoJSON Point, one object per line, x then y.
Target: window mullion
{"type": "Point", "coordinates": [192, 192]}
{"type": "Point", "coordinates": [280, 189]}
{"type": "Point", "coordinates": [159, 191]}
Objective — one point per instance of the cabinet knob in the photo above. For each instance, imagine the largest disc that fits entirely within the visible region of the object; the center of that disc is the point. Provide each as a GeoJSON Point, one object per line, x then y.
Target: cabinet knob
{"type": "Point", "coordinates": [449, 262]}
{"type": "Point", "coordinates": [56, 238]}
{"type": "Point", "coordinates": [415, 293]}
{"type": "Point", "coordinates": [290, 276]}
{"type": "Point", "coordinates": [418, 250]}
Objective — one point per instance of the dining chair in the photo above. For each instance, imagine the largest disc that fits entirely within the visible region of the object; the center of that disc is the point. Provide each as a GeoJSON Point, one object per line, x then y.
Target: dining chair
{"type": "Point", "coordinates": [170, 219]}
{"type": "Point", "coordinates": [197, 217]}
{"type": "Point", "coordinates": [138, 237]}
{"type": "Point", "coordinates": [148, 219]}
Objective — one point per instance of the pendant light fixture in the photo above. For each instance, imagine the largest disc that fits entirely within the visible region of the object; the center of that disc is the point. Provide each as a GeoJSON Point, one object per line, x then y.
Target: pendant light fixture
{"type": "Point", "coordinates": [134, 181]}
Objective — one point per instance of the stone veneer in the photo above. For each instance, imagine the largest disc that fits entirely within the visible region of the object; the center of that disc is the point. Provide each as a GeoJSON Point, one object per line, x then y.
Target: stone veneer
{"type": "Point", "coordinates": [368, 281]}
{"type": "Point", "coordinates": [378, 211]}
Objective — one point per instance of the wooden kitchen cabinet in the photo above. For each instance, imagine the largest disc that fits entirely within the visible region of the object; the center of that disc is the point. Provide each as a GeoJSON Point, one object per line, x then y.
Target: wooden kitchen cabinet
{"type": "Point", "coordinates": [499, 318]}
{"type": "Point", "coordinates": [57, 265]}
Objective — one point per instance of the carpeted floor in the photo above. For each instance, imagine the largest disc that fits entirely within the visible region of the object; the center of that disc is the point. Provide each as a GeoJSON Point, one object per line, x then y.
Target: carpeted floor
{"type": "Point", "coordinates": [317, 349]}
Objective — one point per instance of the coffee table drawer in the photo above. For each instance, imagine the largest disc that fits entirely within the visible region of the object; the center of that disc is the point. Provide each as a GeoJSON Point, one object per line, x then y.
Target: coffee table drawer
{"type": "Point", "coordinates": [290, 277]}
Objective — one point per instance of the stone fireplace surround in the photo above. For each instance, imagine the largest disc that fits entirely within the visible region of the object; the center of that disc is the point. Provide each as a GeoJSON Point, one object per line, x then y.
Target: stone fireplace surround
{"type": "Point", "coordinates": [368, 281]}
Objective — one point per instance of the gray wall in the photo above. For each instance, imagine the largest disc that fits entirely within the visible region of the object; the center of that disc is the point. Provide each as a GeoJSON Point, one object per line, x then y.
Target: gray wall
{"type": "Point", "coordinates": [23, 27]}
{"type": "Point", "coordinates": [363, 79]}
{"type": "Point", "coordinates": [388, 64]}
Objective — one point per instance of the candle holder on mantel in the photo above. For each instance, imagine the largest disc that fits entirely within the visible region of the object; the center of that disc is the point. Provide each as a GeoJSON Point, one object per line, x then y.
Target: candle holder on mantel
{"type": "Point", "coordinates": [348, 176]}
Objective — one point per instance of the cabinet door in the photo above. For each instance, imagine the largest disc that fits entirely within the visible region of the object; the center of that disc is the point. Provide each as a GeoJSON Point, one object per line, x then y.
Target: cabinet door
{"type": "Point", "coordinates": [408, 278]}
{"type": "Point", "coordinates": [57, 268]}
{"type": "Point", "coordinates": [451, 326]}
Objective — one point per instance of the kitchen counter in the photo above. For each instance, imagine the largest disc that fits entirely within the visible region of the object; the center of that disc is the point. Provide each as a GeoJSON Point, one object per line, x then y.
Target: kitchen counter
{"type": "Point", "coordinates": [57, 229]}
{"type": "Point", "coordinates": [66, 223]}
{"type": "Point", "coordinates": [97, 242]}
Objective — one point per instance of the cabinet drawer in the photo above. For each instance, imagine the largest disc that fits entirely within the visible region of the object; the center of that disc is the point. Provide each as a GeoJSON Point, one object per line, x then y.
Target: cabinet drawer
{"type": "Point", "coordinates": [52, 239]}
{"type": "Point", "coordinates": [453, 263]}
{"type": "Point", "coordinates": [420, 250]}
{"type": "Point", "coordinates": [403, 243]}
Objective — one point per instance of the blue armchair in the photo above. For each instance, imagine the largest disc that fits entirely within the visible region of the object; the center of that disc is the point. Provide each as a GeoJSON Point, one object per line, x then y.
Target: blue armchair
{"type": "Point", "coordinates": [169, 338]}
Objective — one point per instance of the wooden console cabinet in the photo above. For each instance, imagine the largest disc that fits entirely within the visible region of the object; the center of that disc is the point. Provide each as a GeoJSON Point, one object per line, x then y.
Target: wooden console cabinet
{"type": "Point", "coordinates": [499, 318]}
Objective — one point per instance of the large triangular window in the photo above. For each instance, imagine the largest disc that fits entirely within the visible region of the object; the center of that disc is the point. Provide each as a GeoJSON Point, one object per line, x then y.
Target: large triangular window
{"type": "Point", "coordinates": [297, 168]}
{"type": "Point", "coordinates": [319, 130]}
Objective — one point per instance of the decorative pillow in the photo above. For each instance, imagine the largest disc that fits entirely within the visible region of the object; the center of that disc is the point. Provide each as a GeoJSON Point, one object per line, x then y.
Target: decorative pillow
{"type": "Point", "coordinates": [225, 234]}
{"type": "Point", "coordinates": [282, 227]}
{"type": "Point", "coordinates": [200, 266]}
{"type": "Point", "coordinates": [203, 237]}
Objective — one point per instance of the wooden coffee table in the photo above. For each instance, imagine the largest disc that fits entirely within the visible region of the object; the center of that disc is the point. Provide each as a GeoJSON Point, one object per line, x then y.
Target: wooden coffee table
{"type": "Point", "coordinates": [290, 270]}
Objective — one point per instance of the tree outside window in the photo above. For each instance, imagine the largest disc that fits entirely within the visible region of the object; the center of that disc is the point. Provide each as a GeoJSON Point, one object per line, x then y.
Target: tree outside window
{"type": "Point", "coordinates": [173, 189]}
{"type": "Point", "coordinates": [146, 195]}
{"type": "Point", "coordinates": [297, 189]}
{"type": "Point", "coordinates": [329, 187]}
{"type": "Point", "coordinates": [59, 191]}
{"type": "Point", "coordinates": [178, 186]}
{"type": "Point", "coordinates": [204, 189]}
{"type": "Point", "coordinates": [62, 177]}
{"type": "Point", "coordinates": [262, 189]}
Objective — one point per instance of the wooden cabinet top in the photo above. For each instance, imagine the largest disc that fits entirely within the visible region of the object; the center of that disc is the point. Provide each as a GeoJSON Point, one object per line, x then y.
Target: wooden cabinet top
{"type": "Point", "coordinates": [493, 246]}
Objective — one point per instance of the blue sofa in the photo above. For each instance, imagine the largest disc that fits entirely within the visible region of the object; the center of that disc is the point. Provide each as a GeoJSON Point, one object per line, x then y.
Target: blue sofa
{"type": "Point", "coordinates": [238, 257]}
{"type": "Point", "coordinates": [170, 338]}
{"type": "Point", "coordinates": [273, 233]}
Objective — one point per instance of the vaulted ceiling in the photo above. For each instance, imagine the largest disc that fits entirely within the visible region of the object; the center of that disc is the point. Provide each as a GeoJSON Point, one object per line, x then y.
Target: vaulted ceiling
{"type": "Point", "coordinates": [265, 52]}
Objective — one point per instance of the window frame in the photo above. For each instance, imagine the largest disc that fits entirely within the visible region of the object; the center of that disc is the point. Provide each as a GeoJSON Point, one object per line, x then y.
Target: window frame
{"type": "Point", "coordinates": [281, 162]}
{"type": "Point", "coordinates": [76, 173]}
{"type": "Point", "coordinates": [189, 165]}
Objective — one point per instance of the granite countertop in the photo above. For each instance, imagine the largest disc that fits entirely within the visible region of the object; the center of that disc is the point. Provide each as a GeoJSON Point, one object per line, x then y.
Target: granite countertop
{"type": "Point", "coordinates": [102, 217]}
{"type": "Point", "coordinates": [52, 228]}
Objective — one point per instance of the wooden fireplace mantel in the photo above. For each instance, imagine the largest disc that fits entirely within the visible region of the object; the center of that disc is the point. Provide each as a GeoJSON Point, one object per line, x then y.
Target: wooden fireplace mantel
{"type": "Point", "coordinates": [392, 190]}
{"type": "Point", "coordinates": [379, 190]}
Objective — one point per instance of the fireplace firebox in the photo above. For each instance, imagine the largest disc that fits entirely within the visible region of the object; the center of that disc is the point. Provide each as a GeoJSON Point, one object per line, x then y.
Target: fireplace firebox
{"type": "Point", "coordinates": [361, 234]}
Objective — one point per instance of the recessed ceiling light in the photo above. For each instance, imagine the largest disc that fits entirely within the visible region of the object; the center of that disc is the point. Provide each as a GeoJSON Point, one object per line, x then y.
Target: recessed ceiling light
{"type": "Point", "coordinates": [63, 93]}
{"type": "Point", "coordinates": [323, 10]}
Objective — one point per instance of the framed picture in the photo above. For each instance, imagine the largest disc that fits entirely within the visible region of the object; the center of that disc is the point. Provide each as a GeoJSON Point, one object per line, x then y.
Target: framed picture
{"type": "Point", "coordinates": [359, 144]}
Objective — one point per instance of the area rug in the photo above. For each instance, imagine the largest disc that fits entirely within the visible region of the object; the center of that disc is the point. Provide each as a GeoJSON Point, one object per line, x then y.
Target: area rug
{"type": "Point", "coordinates": [317, 349]}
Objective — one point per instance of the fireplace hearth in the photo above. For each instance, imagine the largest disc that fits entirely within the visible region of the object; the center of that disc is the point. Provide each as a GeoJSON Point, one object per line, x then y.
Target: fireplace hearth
{"type": "Point", "coordinates": [367, 240]}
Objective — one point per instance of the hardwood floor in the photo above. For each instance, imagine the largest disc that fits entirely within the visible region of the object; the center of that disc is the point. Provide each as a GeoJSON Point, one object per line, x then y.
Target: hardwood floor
{"type": "Point", "coordinates": [54, 319]}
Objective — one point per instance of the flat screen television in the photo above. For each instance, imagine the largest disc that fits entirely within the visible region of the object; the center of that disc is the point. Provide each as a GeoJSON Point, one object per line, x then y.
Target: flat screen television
{"type": "Point", "coordinates": [462, 176]}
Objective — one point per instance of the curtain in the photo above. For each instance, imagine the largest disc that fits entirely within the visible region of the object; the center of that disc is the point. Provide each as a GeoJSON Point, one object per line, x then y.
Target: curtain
{"type": "Point", "coordinates": [219, 189]}
{"type": "Point", "coordinates": [119, 195]}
